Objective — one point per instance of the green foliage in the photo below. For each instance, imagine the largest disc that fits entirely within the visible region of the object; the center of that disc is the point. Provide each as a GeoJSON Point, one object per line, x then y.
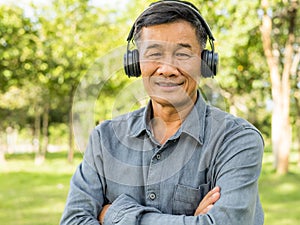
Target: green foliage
{"type": "Point", "coordinates": [243, 74]}
{"type": "Point", "coordinates": [47, 58]}
{"type": "Point", "coordinates": [17, 47]}
{"type": "Point", "coordinates": [58, 133]}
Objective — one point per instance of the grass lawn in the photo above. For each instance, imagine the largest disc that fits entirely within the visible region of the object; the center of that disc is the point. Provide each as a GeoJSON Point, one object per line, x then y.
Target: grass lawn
{"type": "Point", "coordinates": [35, 195]}
{"type": "Point", "coordinates": [280, 194]}
{"type": "Point", "coordinates": [31, 194]}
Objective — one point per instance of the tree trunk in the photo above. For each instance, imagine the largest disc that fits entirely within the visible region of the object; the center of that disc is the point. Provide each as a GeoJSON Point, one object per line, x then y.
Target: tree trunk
{"type": "Point", "coordinates": [41, 155]}
{"type": "Point", "coordinates": [298, 139]}
{"type": "Point", "coordinates": [45, 129]}
{"type": "Point", "coordinates": [286, 89]}
{"type": "Point", "coordinates": [37, 130]}
{"type": "Point", "coordinates": [294, 70]}
{"type": "Point", "coordinates": [266, 30]}
{"type": "Point", "coordinates": [2, 151]}
{"type": "Point", "coordinates": [281, 128]}
{"type": "Point", "coordinates": [297, 125]}
{"type": "Point", "coordinates": [71, 136]}
{"type": "Point", "coordinates": [3, 147]}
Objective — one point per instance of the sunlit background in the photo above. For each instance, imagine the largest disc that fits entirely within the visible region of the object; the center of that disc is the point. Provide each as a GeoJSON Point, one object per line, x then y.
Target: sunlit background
{"type": "Point", "coordinates": [61, 73]}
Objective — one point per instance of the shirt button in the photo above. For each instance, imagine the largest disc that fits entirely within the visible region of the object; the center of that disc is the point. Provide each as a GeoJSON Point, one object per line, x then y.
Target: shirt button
{"type": "Point", "coordinates": [152, 196]}
{"type": "Point", "coordinates": [158, 156]}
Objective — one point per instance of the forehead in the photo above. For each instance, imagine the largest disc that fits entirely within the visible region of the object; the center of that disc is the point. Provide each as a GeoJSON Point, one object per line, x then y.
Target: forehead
{"type": "Point", "coordinates": [173, 33]}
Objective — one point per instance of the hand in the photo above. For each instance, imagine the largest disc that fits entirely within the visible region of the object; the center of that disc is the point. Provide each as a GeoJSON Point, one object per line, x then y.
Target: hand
{"type": "Point", "coordinates": [208, 201]}
{"type": "Point", "coordinates": [102, 213]}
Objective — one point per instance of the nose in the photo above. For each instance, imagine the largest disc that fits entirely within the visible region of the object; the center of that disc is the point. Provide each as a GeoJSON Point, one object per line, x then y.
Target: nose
{"type": "Point", "coordinates": [167, 68]}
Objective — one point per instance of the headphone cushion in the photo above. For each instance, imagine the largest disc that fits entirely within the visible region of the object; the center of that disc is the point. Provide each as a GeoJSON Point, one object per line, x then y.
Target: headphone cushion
{"type": "Point", "coordinates": [209, 63]}
{"type": "Point", "coordinates": [132, 63]}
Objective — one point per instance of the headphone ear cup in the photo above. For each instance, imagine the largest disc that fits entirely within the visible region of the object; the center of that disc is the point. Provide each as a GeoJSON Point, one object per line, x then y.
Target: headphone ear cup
{"type": "Point", "coordinates": [215, 63]}
{"type": "Point", "coordinates": [209, 63]}
{"type": "Point", "coordinates": [132, 63]}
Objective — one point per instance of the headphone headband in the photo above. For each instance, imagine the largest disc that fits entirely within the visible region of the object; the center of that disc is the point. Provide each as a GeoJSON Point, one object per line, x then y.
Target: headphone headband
{"type": "Point", "coordinates": [182, 3]}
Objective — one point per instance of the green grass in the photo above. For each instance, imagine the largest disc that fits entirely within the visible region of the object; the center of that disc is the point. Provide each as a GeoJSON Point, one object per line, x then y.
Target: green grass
{"type": "Point", "coordinates": [31, 194]}
{"type": "Point", "coordinates": [35, 195]}
{"type": "Point", "coordinates": [280, 194]}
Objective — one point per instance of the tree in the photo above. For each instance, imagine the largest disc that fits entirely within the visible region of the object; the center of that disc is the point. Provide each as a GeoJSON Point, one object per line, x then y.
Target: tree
{"type": "Point", "coordinates": [242, 83]}
{"type": "Point", "coordinates": [295, 101]}
{"type": "Point", "coordinates": [280, 51]}
{"type": "Point", "coordinates": [17, 63]}
{"type": "Point", "coordinates": [74, 35]}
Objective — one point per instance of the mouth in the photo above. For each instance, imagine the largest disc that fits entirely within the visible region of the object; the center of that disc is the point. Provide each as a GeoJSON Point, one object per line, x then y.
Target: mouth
{"type": "Point", "coordinates": [168, 84]}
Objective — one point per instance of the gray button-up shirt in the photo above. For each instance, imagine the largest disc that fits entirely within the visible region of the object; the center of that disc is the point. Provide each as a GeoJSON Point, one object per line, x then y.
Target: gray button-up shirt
{"type": "Point", "coordinates": [152, 184]}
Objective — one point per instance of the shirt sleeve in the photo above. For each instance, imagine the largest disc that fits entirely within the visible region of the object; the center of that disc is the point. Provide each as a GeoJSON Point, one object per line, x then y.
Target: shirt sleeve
{"type": "Point", "coordinates": [126, 210]}
{"type": "Point", "coordinates": [85, 198]}
{"type": "Point", "coordinates": [236, 170]}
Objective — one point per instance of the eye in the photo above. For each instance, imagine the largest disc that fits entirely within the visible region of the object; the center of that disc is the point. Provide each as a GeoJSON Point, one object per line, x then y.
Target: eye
{"type": "Point", "coordinates": [183, 55]}
{"type": "Point", "coordinates": [153, 54]}
{"type": "Point", "coordinates": [156, 54]}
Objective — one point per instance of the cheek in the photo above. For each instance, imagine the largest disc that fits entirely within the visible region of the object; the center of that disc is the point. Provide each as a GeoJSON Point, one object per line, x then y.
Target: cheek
{"type": "Point", "coordinates": [193, 73]}
{"type": "Point", "coordinates": [147, 85]}
{"type": "Point", "coordinates": [147, 68]}
{"type": "Point", "coordinates": [192, 85]}
{"type": "Point", "coordinates": [195, 68]}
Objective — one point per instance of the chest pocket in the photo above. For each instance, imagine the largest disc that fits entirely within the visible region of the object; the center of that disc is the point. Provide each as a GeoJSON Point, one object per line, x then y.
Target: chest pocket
{"type": "Point", "coordinates": [186, 199]}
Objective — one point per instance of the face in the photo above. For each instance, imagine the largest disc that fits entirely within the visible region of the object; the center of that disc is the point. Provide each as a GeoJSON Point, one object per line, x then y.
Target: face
{"type": "Point", "coordinates": [170, 63]}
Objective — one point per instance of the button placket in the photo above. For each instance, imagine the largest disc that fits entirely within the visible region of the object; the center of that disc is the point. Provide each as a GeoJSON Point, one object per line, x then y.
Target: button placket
{"type": "Point", "coordinates": [153, 179]}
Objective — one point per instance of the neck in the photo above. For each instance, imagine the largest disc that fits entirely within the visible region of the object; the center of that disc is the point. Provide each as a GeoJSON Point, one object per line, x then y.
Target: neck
{"type": "Point", "coordinates": [168, 119]}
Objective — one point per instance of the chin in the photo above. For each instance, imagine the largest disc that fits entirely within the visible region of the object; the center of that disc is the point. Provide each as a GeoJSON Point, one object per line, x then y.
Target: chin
{"type": "Point", "coordinates": [171, 101]}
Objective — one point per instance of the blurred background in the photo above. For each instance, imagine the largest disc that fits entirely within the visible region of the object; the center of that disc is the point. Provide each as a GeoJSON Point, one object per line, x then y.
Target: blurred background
{"type": "Point", "coordinates": [61, 73]}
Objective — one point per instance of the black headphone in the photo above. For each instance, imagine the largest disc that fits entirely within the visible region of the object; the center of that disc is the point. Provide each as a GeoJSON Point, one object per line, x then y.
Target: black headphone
{"type": "Point", "coordinates": [209, 65]}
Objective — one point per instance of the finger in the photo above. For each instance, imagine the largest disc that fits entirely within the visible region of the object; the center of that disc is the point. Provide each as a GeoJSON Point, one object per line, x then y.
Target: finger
{"type": "Point", "coordinates": [207, 209]}
{"type": "Point", "coordinates": [207, 205]}
{"type": "Point", "coordinates": [214, 198]}
{"type": "Point", "coordinates": [208, 201]}
{"type": "Point", "coordinates": [212, 192]}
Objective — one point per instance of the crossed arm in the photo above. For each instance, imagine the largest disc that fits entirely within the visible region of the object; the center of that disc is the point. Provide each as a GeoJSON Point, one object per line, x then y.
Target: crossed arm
{"type": "Point", "coordinates": [204, 206]}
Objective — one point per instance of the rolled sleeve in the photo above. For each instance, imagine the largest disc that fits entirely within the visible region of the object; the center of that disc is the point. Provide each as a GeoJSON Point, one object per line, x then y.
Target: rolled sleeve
{"type": "Point", "coordinates": [125, 210]}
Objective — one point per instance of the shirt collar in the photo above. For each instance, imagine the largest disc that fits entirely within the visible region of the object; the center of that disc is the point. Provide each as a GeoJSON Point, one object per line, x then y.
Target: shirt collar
{"type": "Point", "coordinates": [194, 124]}
{"type": "Point", "coordinates": [140, 125]}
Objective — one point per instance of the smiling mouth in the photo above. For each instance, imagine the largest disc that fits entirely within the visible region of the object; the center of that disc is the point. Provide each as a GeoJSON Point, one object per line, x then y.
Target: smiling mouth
{"type": "Point", "coordinates": [168, 84]}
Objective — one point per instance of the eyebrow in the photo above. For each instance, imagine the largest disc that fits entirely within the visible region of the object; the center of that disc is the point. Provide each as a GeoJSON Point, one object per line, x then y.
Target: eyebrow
{"type": "Point", "coordinates": [184, 45]}
{"type": "Point", "coordinates": [180, 45]}
{"type": "Point", "coordinates": [153, 46]}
